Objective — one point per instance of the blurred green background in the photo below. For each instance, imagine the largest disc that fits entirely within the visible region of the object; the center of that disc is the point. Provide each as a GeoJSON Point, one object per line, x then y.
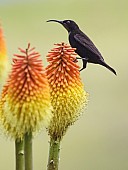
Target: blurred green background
{"type": "Point", "coordinates": [99, 139]}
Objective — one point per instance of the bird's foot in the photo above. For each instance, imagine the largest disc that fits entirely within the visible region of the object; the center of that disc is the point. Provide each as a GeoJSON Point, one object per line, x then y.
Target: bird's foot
{"type": "Point", "coordinates": [81, 69]}
{"type": "Point", "coordinates": [75, 61]}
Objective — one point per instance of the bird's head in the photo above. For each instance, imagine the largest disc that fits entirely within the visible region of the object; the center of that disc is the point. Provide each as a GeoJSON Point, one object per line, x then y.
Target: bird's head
{"type": "Point", "coordinates": [68, 24]}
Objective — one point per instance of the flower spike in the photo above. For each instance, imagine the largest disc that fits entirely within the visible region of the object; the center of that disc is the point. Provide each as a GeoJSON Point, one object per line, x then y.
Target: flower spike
{"type": "Point", "coordinates": [3, 57]}
{"type": "Point", "coordinates": [68, 96]}
{"type": "Point", "coordinates": [25, 103]}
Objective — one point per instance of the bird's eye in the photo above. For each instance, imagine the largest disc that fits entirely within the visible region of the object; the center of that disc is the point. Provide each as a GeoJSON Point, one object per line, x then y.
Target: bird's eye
{"type": "Point", "coordinates": [68, 22]}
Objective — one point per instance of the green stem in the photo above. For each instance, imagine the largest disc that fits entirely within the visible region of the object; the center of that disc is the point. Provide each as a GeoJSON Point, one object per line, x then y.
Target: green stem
{"type": "Point", "coordinates": [19, 151]}
{"type": "Point", "coordinates": [54, 151]}
{"type": "Point", "coordinates": [28, 151]}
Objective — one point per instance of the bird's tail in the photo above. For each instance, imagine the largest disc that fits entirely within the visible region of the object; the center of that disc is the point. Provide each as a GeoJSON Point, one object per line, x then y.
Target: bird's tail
{"type": "Point", "coordinates": [108, 67]}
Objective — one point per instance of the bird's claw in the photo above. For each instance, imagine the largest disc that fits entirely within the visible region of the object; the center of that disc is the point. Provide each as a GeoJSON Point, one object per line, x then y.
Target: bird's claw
{"type": "Point", "coordinates": [75, 61]}
{"type": "Point", "coordinates": [81, 69]}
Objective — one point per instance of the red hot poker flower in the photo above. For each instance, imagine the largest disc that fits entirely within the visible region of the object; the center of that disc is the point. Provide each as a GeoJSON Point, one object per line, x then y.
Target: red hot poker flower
{"type": "Point", "coordinates": [3, 56]}
{"type": "Point", "coordinates": [68, 96]}
{"type": "Point", "coordinates": [25, 103]}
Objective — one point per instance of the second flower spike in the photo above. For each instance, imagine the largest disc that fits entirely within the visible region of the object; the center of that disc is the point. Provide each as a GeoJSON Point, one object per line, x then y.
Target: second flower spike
{"type": "Point", "coordinates": [25, 102]}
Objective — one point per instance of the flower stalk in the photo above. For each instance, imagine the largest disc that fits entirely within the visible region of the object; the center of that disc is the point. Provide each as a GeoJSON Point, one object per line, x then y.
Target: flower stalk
{"type": "Point", "coordinates": [19, 152]}
{"type": "Point", "coordinates": [54, 151]}
{"type": "Point", "coordinates": [28, 151]}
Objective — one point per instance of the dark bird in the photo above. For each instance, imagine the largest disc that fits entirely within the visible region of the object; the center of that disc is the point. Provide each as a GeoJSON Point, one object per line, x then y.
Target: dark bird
{"type": "Point", "coordinates": [85, 48]}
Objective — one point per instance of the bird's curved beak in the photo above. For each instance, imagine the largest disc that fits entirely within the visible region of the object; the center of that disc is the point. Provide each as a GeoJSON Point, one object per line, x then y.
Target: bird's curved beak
{"type": "Point", "coordinates": [53, 20]}
{"type": "Point", "coordinates": [61, 22]}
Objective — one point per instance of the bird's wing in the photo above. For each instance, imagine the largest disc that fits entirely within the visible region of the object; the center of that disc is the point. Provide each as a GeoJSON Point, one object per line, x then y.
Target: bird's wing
{"type": "Point", "coordinates": [87, 43]}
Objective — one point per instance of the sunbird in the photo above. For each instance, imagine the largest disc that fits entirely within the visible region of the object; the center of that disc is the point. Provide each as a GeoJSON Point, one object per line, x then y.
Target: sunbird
{"type": "Point", "coordinates": [85, 48]}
